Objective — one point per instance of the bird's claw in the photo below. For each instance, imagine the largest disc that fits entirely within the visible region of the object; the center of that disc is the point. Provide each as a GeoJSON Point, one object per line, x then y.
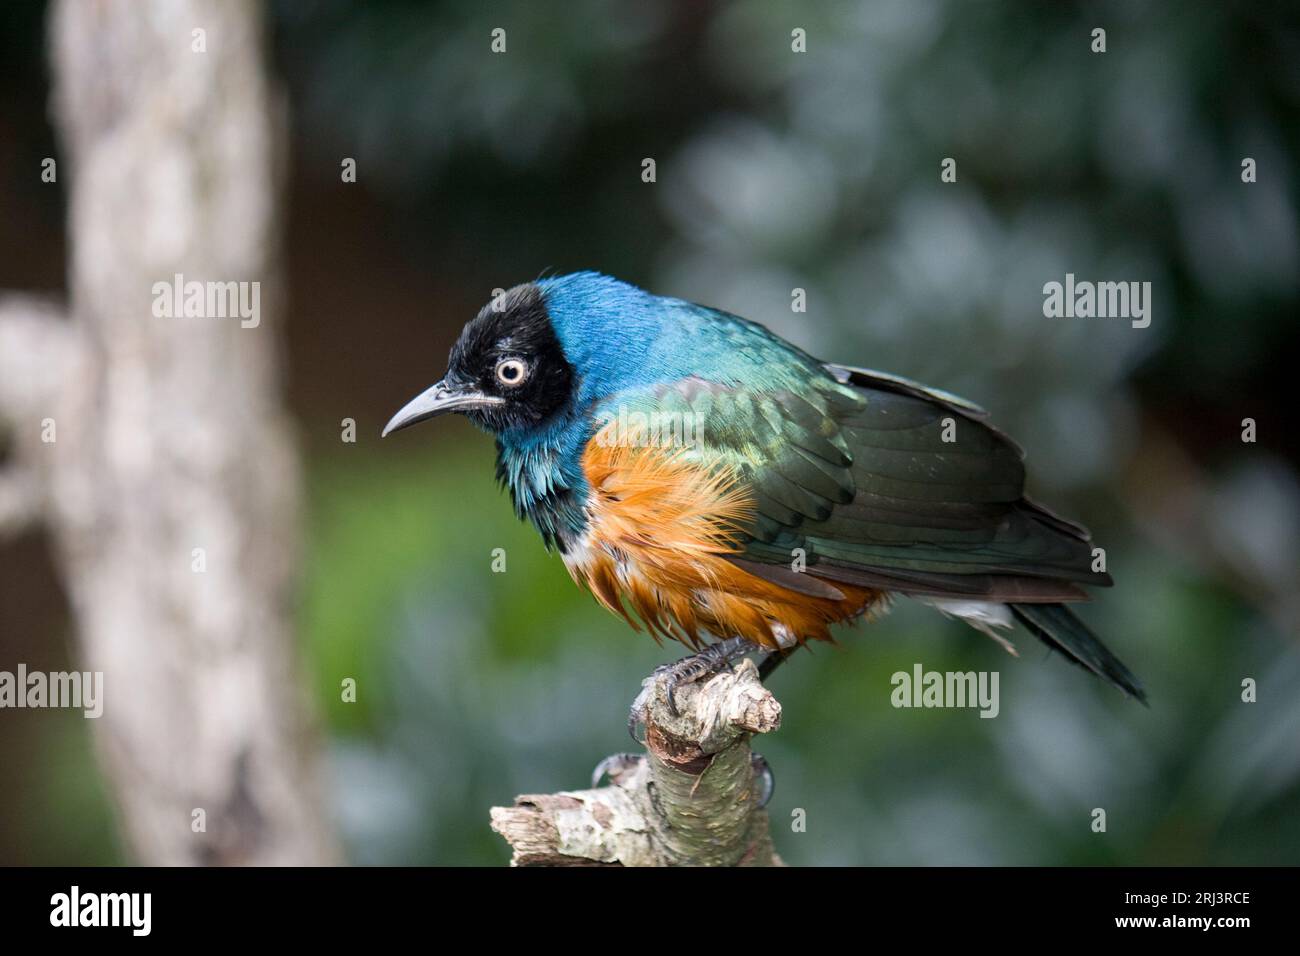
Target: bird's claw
{"type": "Point", "coordinates": [712, 659]}
{"type": "Point", "coordinates": [612, 766]}
{"type": "Point", "coordinates": [688, 670]}
{"type": "Point", "coordinates": [636, 716]}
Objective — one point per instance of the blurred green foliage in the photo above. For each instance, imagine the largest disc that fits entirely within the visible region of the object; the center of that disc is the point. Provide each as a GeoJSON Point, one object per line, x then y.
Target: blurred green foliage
{"type": "Point", "coordinates": [819, 171]}
{"type": "Point", "coordinates": [477, 686]}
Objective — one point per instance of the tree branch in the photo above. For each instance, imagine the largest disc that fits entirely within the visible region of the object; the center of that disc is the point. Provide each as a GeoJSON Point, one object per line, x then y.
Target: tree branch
{"type": "Point", "coordinates": [692, 800]}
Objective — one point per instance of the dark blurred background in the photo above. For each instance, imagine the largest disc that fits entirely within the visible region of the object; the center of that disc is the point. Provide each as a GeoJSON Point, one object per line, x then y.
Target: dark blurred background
{"type": "Point", "coordinates": [776, 170]}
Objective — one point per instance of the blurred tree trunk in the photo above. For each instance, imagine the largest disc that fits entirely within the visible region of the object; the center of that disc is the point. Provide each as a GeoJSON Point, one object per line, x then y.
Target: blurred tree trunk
{"type": "Point", "coordinates": [171, 487]}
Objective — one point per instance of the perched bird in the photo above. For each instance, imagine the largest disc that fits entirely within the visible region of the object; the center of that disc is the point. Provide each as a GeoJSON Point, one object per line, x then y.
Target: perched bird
{"type": "Point", "coordinates": [703, 476]}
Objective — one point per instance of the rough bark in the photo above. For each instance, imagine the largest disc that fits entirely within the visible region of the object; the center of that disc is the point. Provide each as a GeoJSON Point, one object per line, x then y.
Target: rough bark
{"type": "Point", "coordinates": [170, 432]}
{"type": "Point", "coordinates": [692, 800]}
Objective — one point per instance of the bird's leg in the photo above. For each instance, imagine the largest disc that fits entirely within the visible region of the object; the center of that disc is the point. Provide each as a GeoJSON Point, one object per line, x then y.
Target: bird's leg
{"type": "Point", "coordinates": [770, 662]}
{"type": "Point", "coordinates": [688, 670]}
{"type": "Point", "coordinates": [711, 660]}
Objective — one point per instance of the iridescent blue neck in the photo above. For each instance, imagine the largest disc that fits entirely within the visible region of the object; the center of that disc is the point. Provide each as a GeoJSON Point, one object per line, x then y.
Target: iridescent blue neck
{"type": "Point", "coordinates": [542, 468]}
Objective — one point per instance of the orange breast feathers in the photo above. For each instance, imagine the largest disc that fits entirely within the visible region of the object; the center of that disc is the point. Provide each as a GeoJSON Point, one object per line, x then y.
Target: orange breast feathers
{"type": "Point", "coordinates": [659, 529]}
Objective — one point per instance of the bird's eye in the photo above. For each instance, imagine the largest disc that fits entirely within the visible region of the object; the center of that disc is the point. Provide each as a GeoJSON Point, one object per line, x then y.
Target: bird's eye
{"type": "Point", "coordinates": [512, 371]}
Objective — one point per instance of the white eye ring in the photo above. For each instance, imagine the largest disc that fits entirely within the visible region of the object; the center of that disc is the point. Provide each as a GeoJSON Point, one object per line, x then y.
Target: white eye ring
{"type": "Point", "coordinates": [512, 372]}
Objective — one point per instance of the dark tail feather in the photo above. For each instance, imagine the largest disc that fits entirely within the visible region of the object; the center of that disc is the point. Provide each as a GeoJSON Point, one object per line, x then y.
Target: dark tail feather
{"type": "Point", "coordinates": [1058, 628]}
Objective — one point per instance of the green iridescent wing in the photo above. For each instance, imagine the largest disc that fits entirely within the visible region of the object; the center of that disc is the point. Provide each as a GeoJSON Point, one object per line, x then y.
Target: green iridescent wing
{"type": "Point", "coordinates": [878, 482]}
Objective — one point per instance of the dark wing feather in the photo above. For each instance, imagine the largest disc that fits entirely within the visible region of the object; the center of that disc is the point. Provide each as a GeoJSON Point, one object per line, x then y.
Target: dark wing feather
{"type": "Point", "coordinates": [857, 474]}
{"type": "Point", "coordinates": [855, 471]}
{"type": "Point", "coordinates": [1058, 628]}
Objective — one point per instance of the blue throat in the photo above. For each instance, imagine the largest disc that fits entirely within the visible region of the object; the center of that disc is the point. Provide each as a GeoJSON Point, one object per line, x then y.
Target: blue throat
{"type": "Point", "coordinates": [542, 468]}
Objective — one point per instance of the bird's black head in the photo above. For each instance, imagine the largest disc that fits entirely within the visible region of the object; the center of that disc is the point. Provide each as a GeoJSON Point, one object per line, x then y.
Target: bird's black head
{"type": "Point", "coordinates": [506, 371]}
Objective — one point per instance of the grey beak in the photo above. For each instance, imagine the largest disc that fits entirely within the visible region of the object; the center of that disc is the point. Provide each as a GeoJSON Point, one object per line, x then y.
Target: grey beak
{"type": "Point", "coordinates": [439, 400]}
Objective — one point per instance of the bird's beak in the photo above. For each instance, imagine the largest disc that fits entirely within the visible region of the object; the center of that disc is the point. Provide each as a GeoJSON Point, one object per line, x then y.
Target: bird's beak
{"type": "Point", "coordinates": [439, 400]}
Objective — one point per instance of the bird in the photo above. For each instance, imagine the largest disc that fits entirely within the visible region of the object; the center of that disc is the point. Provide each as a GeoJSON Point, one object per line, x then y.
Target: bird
{"type": "Point", "coordinates": [714, 484]}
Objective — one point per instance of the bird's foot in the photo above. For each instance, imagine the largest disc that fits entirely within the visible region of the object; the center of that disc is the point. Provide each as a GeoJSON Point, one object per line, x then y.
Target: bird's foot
{"type": "Point", "coordinates": [613, 767]}
{"type": "Point", "coordinates": [713, 659]}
